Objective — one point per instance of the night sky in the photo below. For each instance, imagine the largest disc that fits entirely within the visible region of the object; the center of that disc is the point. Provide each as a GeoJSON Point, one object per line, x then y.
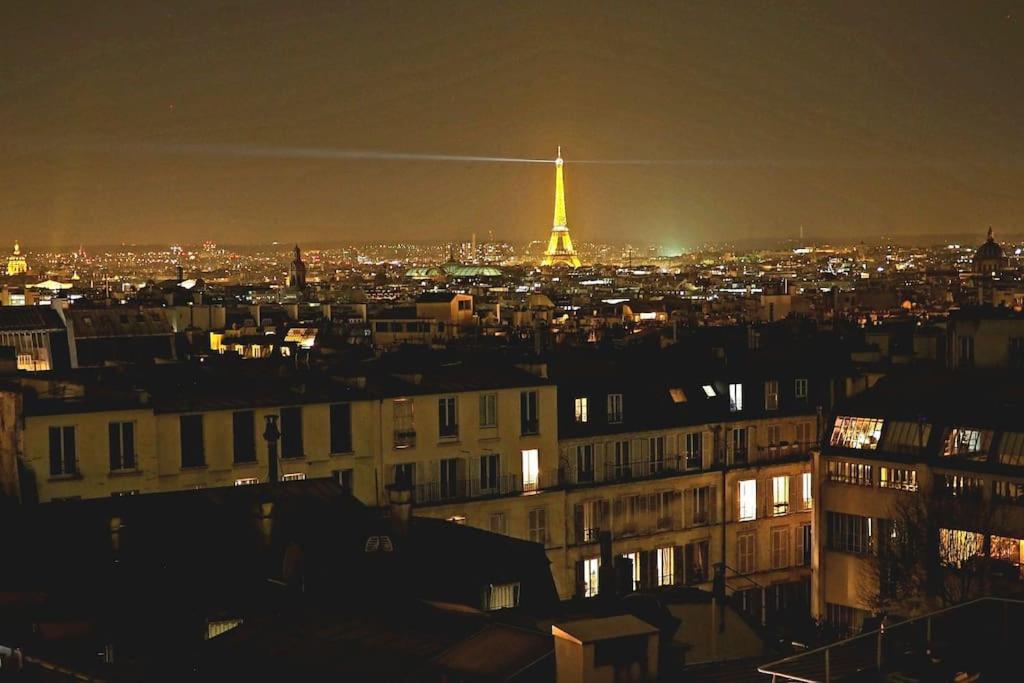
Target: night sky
{"type": "Point", "coordinates": [124, 121]}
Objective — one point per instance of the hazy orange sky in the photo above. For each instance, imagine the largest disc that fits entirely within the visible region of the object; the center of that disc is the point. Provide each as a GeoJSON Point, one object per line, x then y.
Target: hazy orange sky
{"type": "Point", "coordinates": [849, 118]}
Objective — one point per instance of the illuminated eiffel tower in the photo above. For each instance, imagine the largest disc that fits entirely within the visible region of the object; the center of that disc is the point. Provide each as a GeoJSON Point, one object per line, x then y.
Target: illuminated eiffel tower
{"type": "Point", "coordinates": [560, 251]}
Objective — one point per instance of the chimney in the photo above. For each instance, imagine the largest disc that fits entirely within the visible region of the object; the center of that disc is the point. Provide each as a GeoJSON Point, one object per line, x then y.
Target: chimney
{"type": "Point", "coordinates": [606, 585]}
{"type": "Point", "coordinates": [180, 273]}
{"type": "Point", "coordinates": [400, 504]}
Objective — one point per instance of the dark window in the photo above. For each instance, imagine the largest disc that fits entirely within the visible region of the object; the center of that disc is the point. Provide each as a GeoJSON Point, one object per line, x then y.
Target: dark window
{"type": "Point", "coordinates": [62, 451]}
{"type": "Point", "coordinates": [450, 478]}
{"type": "Point", "coordinates": [447, 418]}
{"type": "Point", "coordinates": [489, 472]}
{"type": "Point", "coordinates": [528, 416]}
{"type": "Point", "coordinates": [291, 432]}
{"type": "Point", "coordinates": [243, 433]}
{"type": "Point", "coordinates": [341, 428]}
{"type": "Point", "coordinates": [193, 453]}
{"type": "Point", "coordinates": [122, 445]}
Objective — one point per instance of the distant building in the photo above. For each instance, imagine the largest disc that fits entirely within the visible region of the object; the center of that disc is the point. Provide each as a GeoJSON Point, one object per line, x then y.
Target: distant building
{"type": "Point", "coordinates": [38, 336]}
{"type": "Point", "coordinates": [989, 258]}
{"type": "Point", "coordinates": [297, 272]}
{"type": "Point", "coordinates": [16, 264]}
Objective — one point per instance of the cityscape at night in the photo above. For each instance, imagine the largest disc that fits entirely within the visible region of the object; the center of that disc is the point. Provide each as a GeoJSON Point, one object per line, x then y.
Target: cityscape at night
{"type": "Point", "coordinates": [469, 342]}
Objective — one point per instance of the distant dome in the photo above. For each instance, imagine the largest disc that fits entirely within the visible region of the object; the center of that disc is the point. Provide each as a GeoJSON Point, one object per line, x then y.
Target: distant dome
{"type": "Point", "coordinates": [990, 250]}
{"type": "Point", "coordinates": [458, 270]}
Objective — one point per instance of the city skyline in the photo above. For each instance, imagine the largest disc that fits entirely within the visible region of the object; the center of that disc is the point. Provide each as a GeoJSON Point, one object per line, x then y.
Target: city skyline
{"type": "Point", "coordinates": [868, 120]}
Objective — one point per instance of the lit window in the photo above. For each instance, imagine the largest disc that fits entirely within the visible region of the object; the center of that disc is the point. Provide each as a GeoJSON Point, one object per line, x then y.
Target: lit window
{"type": "Point", "coordinates": [294, 476]}
{"type": "Point", "coordinates": [581, 409]}
{"type": "Point", "coordinates": [634, 558]}
{"type": "Point", "coordinates": [748, 500]}
{"type": "Point", "coordinates": [591, 572]}
{"type": "Point", "coordinates": [709, 391]}
{"type": "Point", "coordinates": [457, 519]}
{"type": "Point", "coordinates": [856, 432]}
{"type": "Point", "coordinates": [531, 471]}
{"type": "Point", "coordinates": [808, 491]}
{"type": "Point", "coordinates": [678, 395]}
{"type": "Point", "coordinates": [246, 481]}
{"type": "Point", "coordinates": [666, 566]}
{"type": "Point", "coordinates": [1011, 449]}
{"type": "Point", "coordinates": [846, 472]}
{"type": "Point", "coordinates": [780, 495]}
{"type": "Point", "coordinates": [735, 397]}
{"type": "Point", "coordinates": [502, 596]}
{"type": "Point", "coordinates": [897, 478]}
{"type": "Point", "coordinates": [218, 627]}
{"type": "Point", "coordinates": [957, 546]}
{"type": "Point", "coordinates": [967, 442]}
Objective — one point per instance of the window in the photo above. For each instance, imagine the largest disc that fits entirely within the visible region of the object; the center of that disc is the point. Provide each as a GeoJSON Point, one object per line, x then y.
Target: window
{"type": "Point", "coordinates": [748, 500]}
{"type": "Point", "coordinates": [465, 304]}
{"type": "Point", "coordinates": [502, 596]}
{"type": "Point", "coordinates": [634, 559]}
{"type": "Point", "coordinates": [773, 439]}
{"type": "Point", "coordinates": [780, 547]}
{"type": "Point", "coordinates": [709, 391]}
{"type": "Point", "coordinates": [800, 388]}
{"type": "Point", "coordinates": [246, 481]}
{"type": "Point", "coordinates": [958, 485]}
{"type": "Point", "coordinates": [450, 485]}
{"type": "Point", "coordinates": [735, 398]}
{"type": "Point", "coordinates": [623, 468]}
{"type": "Point", "coordinates": [121, 436]}
{"type": "Point", "coordinates": [404, 473]}
{"type": "Point", "coordinates": [457, 519]}
{"type": "Point", "coordinates": [341, 428]}
{"type": "Point", "coordinates": [803, 545]}
{"type": "Point", "coordinates": [897, 478]}
{"type": "Point", "coordinates": [666, 566]}
{"type": "Point", "coordinates": [696, 562]}
{"type": "Point", "coordinates": [739, 445]}
{"type": "Point", "coordinates": [580, 409]}
{"type": "Point", "coordinates": [745, 554]}
{"type": "Point", "coordinates": [846, 472]}
{"type": "Point", "coordinates": [294, 476]}
{"type": "Point", "coordinates": [849, 533]}
{"type": "Point", "coordinates": [489, 473]}
{"type": "Point", "coordinates": [193, 453]}
{"type": "Point", "coordinates": [590, 570]}
{"type": "Point", "coordinates": [701, 505]}
{"type": "Point", "coordinates": [529, 422]}
{"type": "Point", "coordinates": [694, 450]}
{"type": "Point", "coordinates": [967, 351]}
{"type": "Point", "coordinates": [291, 432]}
{"type": "Point", "coordinates": [803, 434]}
{"type": "Point", "coordinates": [1011, 449]}
{"type": "Point", "coordinates": [243, 436]}
{"type": "Point", "coordinates": [447, 418]}
{"type": "Point", "coordinates": [780, 495]}
{"type": "Point", "coordinates": [1008, 491]}
{"type": "Point", "coordinates": [845, 619]}
{"type": "Point", "coordinates": [498, 524]}
{"type": "Point", "coordinates": [531, 472]}
{"type": "Point", "coordinates": [614, 408]}
{"type": "Point", "coordinates": [122, 494]}
{"type": "Point", "coordinates": [584, 463]}
{"type": "Point", "coordinates": [771, 394]}
{"type": "Point", "coordinates": [589, 518]}
{"type": "Point", "coordinates": [344, 478]}
{"type": "Point", "coordinates": [405, 429]}
{"type": "Point", "coordinates": [538, 520]}
{"type": "Point", "coordinates": [656, 453]}
{"type": "Point", "coordinates": [907, 437]}
{"type": "Point", "coordinates": [957, 546]}
{"type": "Point", "coordinates": [967, 442]}
{"type": "Point", "coordinates": [807, 490]}
{"type": "Point", "coordinates": [63, 458]}
{"type": "Point", "coordinates": [856, 432]}
{"type": "Point", "coordinates": [488, 411]}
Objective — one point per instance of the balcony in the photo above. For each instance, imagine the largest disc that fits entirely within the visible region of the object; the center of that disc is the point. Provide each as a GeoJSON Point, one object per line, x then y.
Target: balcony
{"type": "Point", "coordinates": [405, 438]}
{"type": "Point", "coordinates": [462, 489]}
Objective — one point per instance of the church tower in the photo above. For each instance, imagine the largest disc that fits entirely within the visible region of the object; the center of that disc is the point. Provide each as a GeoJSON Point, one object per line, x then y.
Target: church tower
{"type": "Point", "coordinates": [297, 272]}
{"type": "Point", "coordinates": [560, 251]}
{"type": "Point", "coordinates": [16, 264]}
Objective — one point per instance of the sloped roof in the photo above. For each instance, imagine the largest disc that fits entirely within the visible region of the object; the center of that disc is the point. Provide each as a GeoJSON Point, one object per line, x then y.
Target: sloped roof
{"type": "Point", "coordinates": [18, 318]}
{"type": "Point", "coordinates": [118, 322]}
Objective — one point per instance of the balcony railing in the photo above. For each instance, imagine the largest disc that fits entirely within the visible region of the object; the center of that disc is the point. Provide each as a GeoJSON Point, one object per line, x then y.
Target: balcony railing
{"type": "Point", "coordinates": [405, 438]}
{"type": "Point", "coordinates": [457, 489]}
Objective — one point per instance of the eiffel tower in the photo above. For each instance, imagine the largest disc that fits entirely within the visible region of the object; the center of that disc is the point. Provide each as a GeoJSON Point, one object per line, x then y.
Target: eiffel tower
{"type": "Point", "coordinates": [560, 251]}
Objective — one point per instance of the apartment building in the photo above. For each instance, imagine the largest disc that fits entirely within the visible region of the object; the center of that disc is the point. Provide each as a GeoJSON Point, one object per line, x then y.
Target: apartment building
{"type": "Point", "coordinates": [686, 470]}
{"type": "Point", "coordinates": [931, 455]}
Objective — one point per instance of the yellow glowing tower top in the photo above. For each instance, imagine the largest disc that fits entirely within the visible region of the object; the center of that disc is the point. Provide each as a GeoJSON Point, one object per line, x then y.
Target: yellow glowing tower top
{"type": "Point", "coordinates": [560, 251]}
{"type": "Point", "coordinates": [16, 264]}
